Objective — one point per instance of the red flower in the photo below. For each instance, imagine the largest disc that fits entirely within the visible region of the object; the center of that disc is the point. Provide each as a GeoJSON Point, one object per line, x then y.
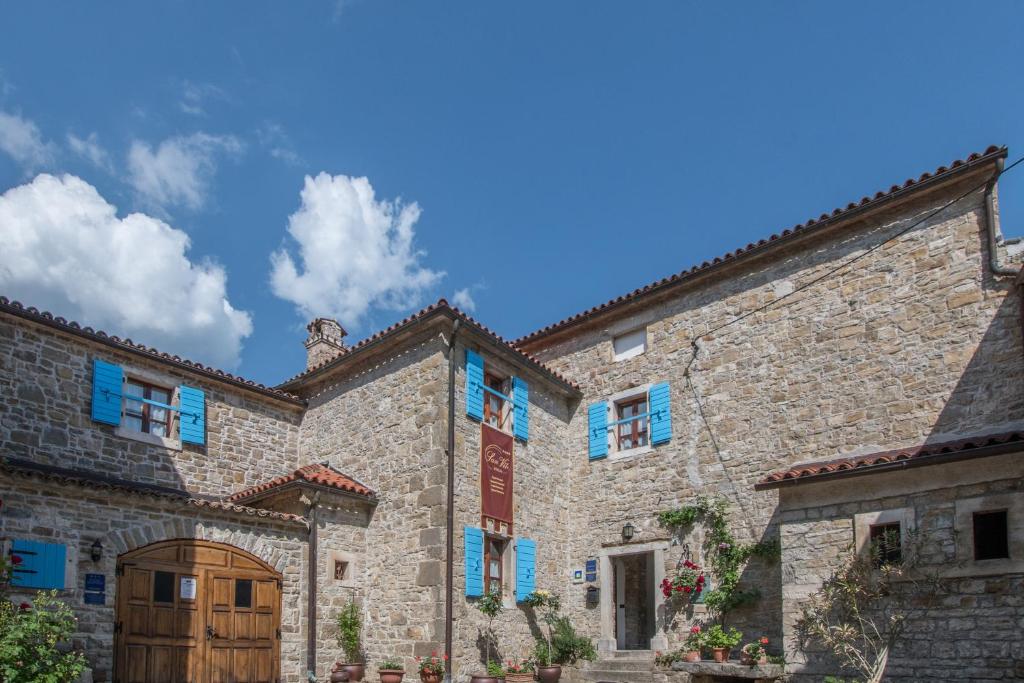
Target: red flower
{"type": "Point", "coordinates": [695, 629]}
{"type": "Point", "coordinates": [25, 606]}
{"type": "Point", "coordinates": [764, 640]}
{"type": "Point", "coordinates": [686, 589]}
{"type": "Point", "coordinates": [445, 658]}
{"type": "Point", "coordinates": [15, 559]}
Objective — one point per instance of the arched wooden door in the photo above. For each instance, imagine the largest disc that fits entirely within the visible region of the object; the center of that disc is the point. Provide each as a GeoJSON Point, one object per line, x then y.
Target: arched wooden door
{"type": "Point", "coordinates": [196, 612]}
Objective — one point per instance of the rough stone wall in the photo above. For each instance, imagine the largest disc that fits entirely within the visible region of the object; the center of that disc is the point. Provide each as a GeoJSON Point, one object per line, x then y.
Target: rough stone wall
{"type": "Point", "coordinates": [915, 342]}
{"type": "Point", "coordinates": [972, 631]}
{"type": "Point", "coordinates": [45, 417]}
{"type": "Point", "coordinates": [383, 424]}
{"type": "Point", "coordinates": [542, 512]}
{"type": "Point", "coordinates": [75, 516]}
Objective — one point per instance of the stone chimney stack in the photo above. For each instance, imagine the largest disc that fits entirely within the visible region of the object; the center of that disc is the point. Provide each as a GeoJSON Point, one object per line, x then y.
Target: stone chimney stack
{"type": "Point", "coordinates": [324, 341]}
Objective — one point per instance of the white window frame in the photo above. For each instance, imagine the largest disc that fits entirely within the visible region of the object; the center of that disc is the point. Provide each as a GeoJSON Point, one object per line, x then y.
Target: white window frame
{"type": "Point", "coordinates": [614, 453]}
{"type": "Point", "coordinates": [507, 412]}
{"type": "Point", "coordinates": [633, 351]}
{"type": "Point", "coordinates": [1013, 503]}
{"type": "Point", "coordinates": [173, 441]}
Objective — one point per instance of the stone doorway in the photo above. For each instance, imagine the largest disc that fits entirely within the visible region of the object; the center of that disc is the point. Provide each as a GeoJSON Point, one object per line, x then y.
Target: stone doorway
{"type": "Point", "coordinates": [634, 601]}
{"type": "Point", "coordinates": [632, 607]}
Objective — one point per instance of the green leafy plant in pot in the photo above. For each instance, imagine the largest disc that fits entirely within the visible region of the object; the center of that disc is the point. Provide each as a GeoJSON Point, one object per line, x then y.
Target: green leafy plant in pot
{"type": "Point", "coordinates": [350, 631]}
{"type": "Point", "coordinates": [490, 606]}
{"type": "Point", "coordinates": [391, 671]}
{"type": "Point", "coordinates": [721, 641]}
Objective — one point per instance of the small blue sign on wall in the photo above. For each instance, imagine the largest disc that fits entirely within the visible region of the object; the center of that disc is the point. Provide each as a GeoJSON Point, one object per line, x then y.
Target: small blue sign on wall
{"type": "Point", "coordinates": [95, 598]}
{"type": "Point", "coordinates": [95, 582]}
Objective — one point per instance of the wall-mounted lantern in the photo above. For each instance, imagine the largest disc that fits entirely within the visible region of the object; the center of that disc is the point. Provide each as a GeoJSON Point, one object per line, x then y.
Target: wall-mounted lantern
{"type": "Point", "coordinates": [96, 550]}
{"type": "Point", "coordinates": [627, 532]}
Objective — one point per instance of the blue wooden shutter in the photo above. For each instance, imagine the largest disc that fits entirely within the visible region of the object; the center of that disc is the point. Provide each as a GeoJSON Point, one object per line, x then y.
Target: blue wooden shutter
{"type": "Point", "coordinates": [526, 568]}
{"type": "Point", "coordinates": [474, 385]}
{"type": "Point", "coordinates": [520, 409]}
{"type": "Point", "coordinates": [474, 561]}
{"type": "Point", "coordinates": [192, 419]}
{"type": "Point", "coordinates": [661, 413]}
{"type": "Point", "coordinates": [597, 421]}
{"type": "Point", "coordinates": [107, 380]}
{"type": "Point", "coordinates": [42, 565]}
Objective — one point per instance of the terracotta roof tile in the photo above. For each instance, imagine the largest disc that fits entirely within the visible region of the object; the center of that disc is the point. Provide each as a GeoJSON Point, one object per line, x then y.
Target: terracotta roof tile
{"type": "Point", "coordinates": [439, 306]}
{"type": "Point", "coordinates": [993, 152]}
{"type": "Point", "coordinates": [71, 327]}
{"type": "Point", "coordinates": [319, 474]}
{"type": "Point", "coordinates": [978, 446]}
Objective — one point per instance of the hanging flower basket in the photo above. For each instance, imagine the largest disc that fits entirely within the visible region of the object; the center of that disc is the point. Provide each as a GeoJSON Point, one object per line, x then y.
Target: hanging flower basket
{"type": "Point", "coordinates": [686, 583]}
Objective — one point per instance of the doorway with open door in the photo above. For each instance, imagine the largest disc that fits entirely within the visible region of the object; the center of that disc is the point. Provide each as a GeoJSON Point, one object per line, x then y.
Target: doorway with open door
{"type": "Point", "coordinates": [635, 608]}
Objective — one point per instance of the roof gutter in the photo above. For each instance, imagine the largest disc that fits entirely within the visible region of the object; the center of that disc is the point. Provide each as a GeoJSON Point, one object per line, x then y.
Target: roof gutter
{"type": "Point", "coordinates": [992, 230]}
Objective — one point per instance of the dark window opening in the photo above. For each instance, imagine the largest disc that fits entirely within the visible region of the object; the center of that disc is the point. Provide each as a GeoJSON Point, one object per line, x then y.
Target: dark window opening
{"type": "Point", "coordinates": [243, 592]}
{"type": "Point", "coordinates": [163, 587]}
{"type": "Point", "coordinates": [494, 553]}
{"type": "Point", "coordinates": [991, 535]}
{"type": "Point", "coordinates": [886, 544]}
{"type": "Point", "coordinates": [633, 432]}
{"type": "Point", "coordinates": [340, 570]}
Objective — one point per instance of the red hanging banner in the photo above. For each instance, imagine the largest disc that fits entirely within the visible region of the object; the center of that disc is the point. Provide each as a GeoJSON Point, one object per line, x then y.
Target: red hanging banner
{"type": "Point", "coordinates": [496, 474]}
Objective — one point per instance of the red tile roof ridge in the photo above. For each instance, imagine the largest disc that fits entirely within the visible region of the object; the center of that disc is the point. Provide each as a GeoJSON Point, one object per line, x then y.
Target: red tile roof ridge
{"type": "Point", "coordinates": [919, 453]}
{"type": "Point", "coordinates": [72, 327]}
{"type": "Point", "coordinates": [440, 305]}
{"type": "Point", "coordinates": [990, 153]}
{"type": "Point", "coordinates": [315, 473]}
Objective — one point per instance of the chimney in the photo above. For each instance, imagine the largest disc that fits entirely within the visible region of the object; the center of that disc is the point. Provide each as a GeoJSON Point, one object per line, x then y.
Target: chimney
{"type": "Point", "coordinates": [324, 341]}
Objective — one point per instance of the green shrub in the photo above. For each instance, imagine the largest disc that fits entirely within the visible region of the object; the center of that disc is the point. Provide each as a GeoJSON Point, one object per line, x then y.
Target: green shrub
{"type": "Point", "coordinates": [567, 647]}
{"type": "Point", "coordinates": [350, 627]}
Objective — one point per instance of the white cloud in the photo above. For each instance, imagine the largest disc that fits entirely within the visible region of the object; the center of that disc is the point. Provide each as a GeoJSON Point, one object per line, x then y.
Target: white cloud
{"type": "Point", "coordinates": [20, 138]}
{"type": "Point", "coordinates": [463, 300]}
{"type": "Point", "coordinates": [91, 149]}
{"type": "Point", "coordinates": [273, 137]}
{"type": "Point", "coordinates": [180, 170]}
{"type": "Point", "coordinates": [66, 250]}
{"type": "Point", "coordinates": [355, 252]}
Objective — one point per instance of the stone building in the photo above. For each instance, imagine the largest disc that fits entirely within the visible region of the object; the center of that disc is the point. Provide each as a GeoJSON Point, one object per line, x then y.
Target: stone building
{"type": "Point", "coordinates": [859, 372]}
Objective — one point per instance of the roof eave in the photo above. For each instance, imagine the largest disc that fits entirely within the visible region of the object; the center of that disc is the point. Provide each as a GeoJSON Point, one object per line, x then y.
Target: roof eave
{"type": "Point", "coordinates": [303, 485]}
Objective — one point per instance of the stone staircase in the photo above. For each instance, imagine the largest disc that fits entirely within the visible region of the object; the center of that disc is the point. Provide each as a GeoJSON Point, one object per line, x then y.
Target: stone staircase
{"type": "Point", "coordinates": [620, 666]}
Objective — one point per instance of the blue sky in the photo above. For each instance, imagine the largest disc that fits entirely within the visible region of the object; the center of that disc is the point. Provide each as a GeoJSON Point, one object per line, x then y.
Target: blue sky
{"type": "Point", "coordinates": [538, 157]}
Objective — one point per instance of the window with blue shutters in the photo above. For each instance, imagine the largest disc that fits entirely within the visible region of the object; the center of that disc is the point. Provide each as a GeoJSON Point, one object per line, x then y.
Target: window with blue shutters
{"type": "Point", "coordinates": [497, 400]}
{"type": "Point", "coordinates": [474, 557]}
{"type": "Point", "coordinates": [474, 385]}
{"type": "Point", "coordinates": [37, 565]}
{"type": "Point", "coordinates": [526, 568]}
{"type": "Point", "coordinates": [521, 409]}
{"type": "Point", "coordinates": [630, 422]}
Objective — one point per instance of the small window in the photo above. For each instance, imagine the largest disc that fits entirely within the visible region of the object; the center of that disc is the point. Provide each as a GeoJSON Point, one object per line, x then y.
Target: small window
{"type": "Point", "coordinates": [144, 415]}
{"type": "Point", "coordinates": [630, 344]}
{"type": "Point", "coordinates": [340, 570]}
{"type": "Point", "coordinates": [494, 564]}
{"type": "Point", "coordinates": [991, 535]}
{"type": "Point", "coordinates": [495, 413]}
{"type": "Point", "coordinates": [632, 420]}
{"type": "Point", "coordinates": [163, 587]}
{"type": "Point", "coordinates": [886, 544]}
{"type": "Point", "coordinates": [243, 593]}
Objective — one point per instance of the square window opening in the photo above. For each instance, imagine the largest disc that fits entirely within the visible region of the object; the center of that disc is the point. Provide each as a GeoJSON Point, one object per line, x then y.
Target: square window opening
{"type": "Point", "coordinates": [163, 587]}
{"type": "Point", "coordinates": [243, 593]}
{"type": "Point", "coordinates": [886, 544]}
{"type": "Point", "coordinates": [629, 345]}
{"type": "Point", "coordinates": [494, 564]}
{"type": "Point", "coordinates": [340, 570]}
{"type": "Point", "coordinates": [991, 535]}
{"type": "Point", "coordinates": [145, 408]}
{"type": "Point", "coordinates": [496, 412]}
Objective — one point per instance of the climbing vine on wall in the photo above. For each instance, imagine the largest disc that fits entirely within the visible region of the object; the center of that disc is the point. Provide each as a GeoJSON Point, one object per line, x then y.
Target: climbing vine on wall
{"type": "Point", "coordinates": [722, 553]}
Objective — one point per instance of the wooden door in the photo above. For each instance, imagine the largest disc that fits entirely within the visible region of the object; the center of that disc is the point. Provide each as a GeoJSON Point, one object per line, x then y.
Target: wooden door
{"type": "Point", "coordinates": [243, 619]}
{"type": "Point", "coordinates": [196, 612]}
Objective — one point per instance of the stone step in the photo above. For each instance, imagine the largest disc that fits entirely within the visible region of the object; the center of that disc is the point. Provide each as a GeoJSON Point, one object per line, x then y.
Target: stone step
{"type": "Point", "coordinates": [611, 676]}
{"type": "Point", "coordinates": [621, 664]}
{"type": "Point", "coordinates": [628, 654]}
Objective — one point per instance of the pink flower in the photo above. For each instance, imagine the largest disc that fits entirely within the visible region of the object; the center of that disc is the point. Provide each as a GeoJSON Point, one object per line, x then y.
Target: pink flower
{"type": "Point", "coordinates": [764, 640]}
{"type": "Point", "coordinates": [16, 559]}
{"type": "Point", "coordinates": [695, 629]}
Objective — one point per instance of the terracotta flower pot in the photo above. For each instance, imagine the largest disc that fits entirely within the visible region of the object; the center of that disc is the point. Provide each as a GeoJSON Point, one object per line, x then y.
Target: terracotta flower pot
{"type": "Point", "coordinates": [549, 674]}
{"type": "Point", "coordinates": [391, 675]}
{"type": "Point", "coordinates": [693, 656]}
{"type": "Point", "coordinates": [355, 671]}
{"type": "Point", "coordinates": [426, 677]}
{"type": "Point", "coordinates": [338, 675]}
{"type": "Point", "coordinates": [721, 654]}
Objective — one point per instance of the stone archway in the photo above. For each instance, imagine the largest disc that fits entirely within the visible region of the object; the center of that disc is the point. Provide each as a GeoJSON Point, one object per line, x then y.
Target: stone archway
{"type": "Point", "coordinates": [198, 611]}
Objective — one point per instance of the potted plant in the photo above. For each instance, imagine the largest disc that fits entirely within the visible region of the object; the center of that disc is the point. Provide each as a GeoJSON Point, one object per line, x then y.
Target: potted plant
{"type": "Point", "coordinates": [755, 653]}
{"type": "Point", "coordinates": [687, 582]}
{"type": "Point", "coordinates": [432, 669]}
{"type": "Point", "coordinates": [721, 641]}
{"type": "Point", "coordinates": [519, 672]}
{"type": "Point", "coordinates": [694, 644]}
{"type": "Point", "coordinates": [490, 606]}
{"type": "Point", "coordinates": [391, 671]}
{"type": "Point", "coordinates": [350, 627]}
{"type": "Point", "coordinates": [548, 670]}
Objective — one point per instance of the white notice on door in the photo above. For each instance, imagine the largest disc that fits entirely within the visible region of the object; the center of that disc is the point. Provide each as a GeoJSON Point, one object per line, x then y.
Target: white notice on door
{"type": "Point", "coordinates": [188, 588]}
